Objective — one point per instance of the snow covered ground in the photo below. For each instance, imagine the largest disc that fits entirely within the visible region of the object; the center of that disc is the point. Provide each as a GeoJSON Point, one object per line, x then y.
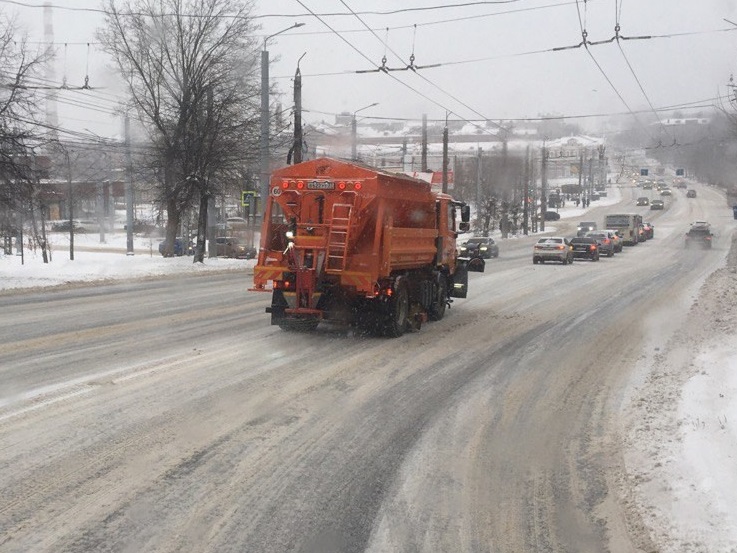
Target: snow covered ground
{"type": "Point", "coordinates": [680, 426]}
{"type": "Point", "coordinates": [95, 261]}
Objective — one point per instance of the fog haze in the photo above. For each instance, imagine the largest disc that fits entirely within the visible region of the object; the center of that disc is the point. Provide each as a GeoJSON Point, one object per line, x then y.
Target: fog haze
{"type": "Point", "coordinates": [495, 59]}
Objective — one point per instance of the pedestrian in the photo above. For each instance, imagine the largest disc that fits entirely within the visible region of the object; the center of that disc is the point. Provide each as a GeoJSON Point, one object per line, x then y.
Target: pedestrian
{"type": "Point", "coordinates": [578, 201]}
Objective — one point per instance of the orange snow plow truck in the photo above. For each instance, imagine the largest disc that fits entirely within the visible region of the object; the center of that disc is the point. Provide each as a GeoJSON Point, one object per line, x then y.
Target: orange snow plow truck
{"type": "Point", "coordinates": [350, 244]}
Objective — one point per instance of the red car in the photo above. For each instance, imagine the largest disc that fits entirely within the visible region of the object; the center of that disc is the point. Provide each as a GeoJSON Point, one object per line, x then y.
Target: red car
{"type": "Point", "coordinates": [649, 230]}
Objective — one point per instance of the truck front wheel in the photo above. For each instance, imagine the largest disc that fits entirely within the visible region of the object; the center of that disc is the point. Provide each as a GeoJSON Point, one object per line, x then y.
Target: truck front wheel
{"type": "Point", "coordinates": [397, 312]}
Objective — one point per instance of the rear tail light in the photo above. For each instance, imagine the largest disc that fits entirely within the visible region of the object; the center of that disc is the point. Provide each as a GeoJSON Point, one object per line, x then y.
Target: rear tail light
{"type": "Point", "coordinates": [593, 247]}
{"type": "Point", "coordinates": [560, 247]}
{"type": "Point", "coordinates": [282, 284]}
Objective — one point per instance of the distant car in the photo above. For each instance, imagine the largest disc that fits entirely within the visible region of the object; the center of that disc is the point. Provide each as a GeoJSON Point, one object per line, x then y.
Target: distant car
{"type": "Point", "coordinates": [552, 216]}
{"type": "Point", "coordinates": [699, 235]}
{"type": "Point", "coordinates": [642, 200]}
{"type": "Point", "coordinates": [480, 246]}
{"type": "Point", "coordinates": [584, 227]}
{"type": "Point", "coordinates": [691, 193]}
{"type": "Point", "coordinates": [649, 230]}
{"type": "Point", "coordinates": [179, 248]}
{"type": "Point", "coordinates": [666, 192]}
{"type": "Point", "coordinates": [657, 204]}
{"type": "Point", "coordinates": [65, 226]}
{"type": "Point", "coordinates": [617, 239]}
{"type": "Point", "coordinates": [552, 248]}
{"type": "Point", "coordinates": [604, 241]}
{"type": "Point", "coordinates": [232, 247]}
{"type": "Point", "coordinates": [585, 247]}
{"type": "Point", "coordinates": [141, 227]}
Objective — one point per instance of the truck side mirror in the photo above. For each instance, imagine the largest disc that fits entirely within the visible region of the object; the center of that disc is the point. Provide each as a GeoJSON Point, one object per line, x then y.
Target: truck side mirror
{"type": "Point", "coordinates": [464, 226]}
{"type": "Point", "coordinates": [465, 213]}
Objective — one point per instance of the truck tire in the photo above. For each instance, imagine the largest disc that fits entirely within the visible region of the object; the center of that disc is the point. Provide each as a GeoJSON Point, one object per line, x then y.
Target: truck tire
{"type": "Point", "coordinates": [397, 312]}
{"type": "Point", "coordinates": [437, 309]}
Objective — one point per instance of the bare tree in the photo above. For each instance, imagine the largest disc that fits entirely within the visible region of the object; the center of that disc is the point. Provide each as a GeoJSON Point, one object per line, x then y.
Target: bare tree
{"type": "Point", "coordinates": [191, 70]}
{"type": "Point", "coordinates": [18, 175]}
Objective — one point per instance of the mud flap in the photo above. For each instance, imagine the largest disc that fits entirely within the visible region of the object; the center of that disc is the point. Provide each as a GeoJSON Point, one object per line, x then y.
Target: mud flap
{"type": "Point", "coordinates": [459, 281]}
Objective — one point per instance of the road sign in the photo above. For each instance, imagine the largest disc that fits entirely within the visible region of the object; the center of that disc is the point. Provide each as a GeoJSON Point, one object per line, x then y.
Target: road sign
{"type": "Point", "coordinates": [246, 197]}
{"type": "Point", "coordinates": [680, 172]}
{"type": "Point", "coordinates": [643, 172]}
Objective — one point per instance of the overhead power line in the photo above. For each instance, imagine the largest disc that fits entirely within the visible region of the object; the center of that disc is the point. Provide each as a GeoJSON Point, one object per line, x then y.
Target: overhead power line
{"type": "Point", "coordinates": [265, 16]}
{"type": "Point", "coordinates": [363, 55]}
{"type": "Point", "coordinates": [584, 42]}
{"type": "Point", "coordinates": [697, 104]}
{"type": "Point", "coordinates": [617, 28]}
{"type": "Point", "coordinates": [411, 66]}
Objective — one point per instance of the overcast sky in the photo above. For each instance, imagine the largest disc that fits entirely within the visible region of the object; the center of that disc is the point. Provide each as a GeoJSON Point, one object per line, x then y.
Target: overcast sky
{"type": "Point", "coordinates": [486, 50]}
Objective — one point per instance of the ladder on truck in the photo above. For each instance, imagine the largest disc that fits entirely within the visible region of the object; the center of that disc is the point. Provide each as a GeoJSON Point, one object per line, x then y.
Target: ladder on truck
{"type": "Point", "coordinates": [338, 236]}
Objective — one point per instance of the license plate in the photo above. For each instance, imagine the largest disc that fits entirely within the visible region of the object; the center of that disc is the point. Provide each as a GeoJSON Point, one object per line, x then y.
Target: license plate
{"type": "Point", "coordinates": [321, 185]}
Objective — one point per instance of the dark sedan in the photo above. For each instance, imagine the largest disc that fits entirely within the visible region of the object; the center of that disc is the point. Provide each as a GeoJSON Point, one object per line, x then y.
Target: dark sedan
{"type": "Point", "coordinates": [482, 247]}
{"type": "Point", "coordinates": [585, 247]}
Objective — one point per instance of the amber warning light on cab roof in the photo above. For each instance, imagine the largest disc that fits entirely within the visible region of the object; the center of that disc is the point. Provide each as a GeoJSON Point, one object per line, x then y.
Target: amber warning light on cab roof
{"type": "Point", "coordinates": [299, 184]}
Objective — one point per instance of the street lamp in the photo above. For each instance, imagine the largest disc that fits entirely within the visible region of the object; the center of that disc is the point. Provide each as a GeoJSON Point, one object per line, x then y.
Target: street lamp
{"type": "Point", "coordinates": [354, 138]}
{"type": "Point", "coordinates": [264, 149]}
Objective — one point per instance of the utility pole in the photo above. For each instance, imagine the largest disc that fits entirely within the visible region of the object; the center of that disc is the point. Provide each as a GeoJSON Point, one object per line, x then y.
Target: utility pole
{"type": "Point", "coordinates": [264, 154]}
{"type": "Point", "coordinates": [264, 136]}
{"type": "Point", "coordinates": [478, 178]}
{"type": "Point", "coordinates": [298, 139]}
{"type": "Point", "coordinates": [543, 187]}
{"type": "Point", "coordinates": [423, 162]}
{"type": "Point", "coordinates": [526, 193]}
{"type": "Point", "coordinates": [128, 189]}
{"type": "Point", "coordinates": [591, 177]}
{"type": "Point", "coordinates": [580, 177]}
{"type": "Point", "coordinates": [71, 206]}
{"type": "Point", "coordinates": [100, 210]}
{"type": "Point", "coordinates": [354, 131]}
{"type": "Point", "coordinates": [445, 156]}
{"type": "Point", "coordinates": [533, 191]}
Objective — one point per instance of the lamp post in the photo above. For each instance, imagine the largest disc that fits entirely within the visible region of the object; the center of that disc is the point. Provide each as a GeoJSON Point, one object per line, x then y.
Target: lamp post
{"type": "Point", "coordinates": [264, 149]}
{"type": "Point", "coordinates": [354, 137]}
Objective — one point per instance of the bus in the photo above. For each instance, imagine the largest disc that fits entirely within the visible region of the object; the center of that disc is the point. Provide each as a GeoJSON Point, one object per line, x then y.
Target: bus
{"type": "Point", "coordinates": [628, 226]}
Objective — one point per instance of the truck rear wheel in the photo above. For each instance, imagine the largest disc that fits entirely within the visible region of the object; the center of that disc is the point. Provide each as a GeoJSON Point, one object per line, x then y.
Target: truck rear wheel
{"type": "Point", "coordinates": [437, 309]}
{"type": "Point", "coordinates": [397, 312]}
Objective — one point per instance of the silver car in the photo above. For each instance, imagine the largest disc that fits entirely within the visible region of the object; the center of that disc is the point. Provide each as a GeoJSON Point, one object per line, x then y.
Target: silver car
{"type": "Point", "coordinates": [552, 248]}
{"type": "Point", "coordinates": [605, 240]}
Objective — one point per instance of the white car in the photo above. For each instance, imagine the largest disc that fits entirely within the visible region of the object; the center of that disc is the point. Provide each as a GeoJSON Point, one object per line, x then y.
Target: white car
{"type": "Point", "coordinates": [552, 248]}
